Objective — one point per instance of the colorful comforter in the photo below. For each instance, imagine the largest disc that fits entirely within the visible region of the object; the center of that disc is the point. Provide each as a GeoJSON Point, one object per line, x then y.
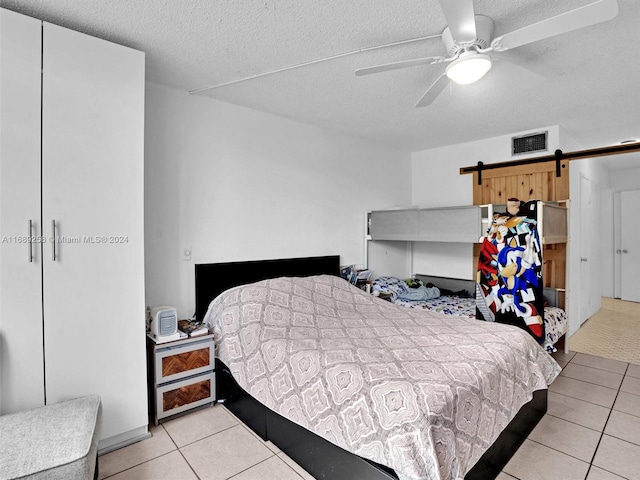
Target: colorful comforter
{"type": "Point", "coordinates": [423, 393]}
{"type": "Point", "coordinates": [510, 273]}
{"type": "Point", "coordinates": [447, 304]}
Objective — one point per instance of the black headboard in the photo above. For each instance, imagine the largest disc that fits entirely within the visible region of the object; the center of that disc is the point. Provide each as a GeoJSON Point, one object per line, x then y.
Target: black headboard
{"type": "Point", "coordinates": [214, 278]}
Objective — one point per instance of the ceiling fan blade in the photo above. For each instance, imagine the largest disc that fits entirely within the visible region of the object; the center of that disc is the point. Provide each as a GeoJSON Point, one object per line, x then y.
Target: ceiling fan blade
{"type": "Point", "coordinates": [585, 16]}
{"type": "Point", "coordinates": [434, 90]}
{"type": "Point", "coordinates": [460, 18]}
{"type": "Point", "coordinates": [396, 65]}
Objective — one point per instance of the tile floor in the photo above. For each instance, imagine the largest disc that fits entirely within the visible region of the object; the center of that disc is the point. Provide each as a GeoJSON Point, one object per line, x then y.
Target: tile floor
{"type": "Point", "coordinates": [591, 431]}
{"type": "Point", "coordinates": [208, 444]}
{"type": "Point", "coordinates": [612, 332]}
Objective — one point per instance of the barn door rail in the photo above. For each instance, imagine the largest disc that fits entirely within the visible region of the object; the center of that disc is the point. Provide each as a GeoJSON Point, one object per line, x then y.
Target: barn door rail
{"type": "Point", "coordinates": [557, 156]}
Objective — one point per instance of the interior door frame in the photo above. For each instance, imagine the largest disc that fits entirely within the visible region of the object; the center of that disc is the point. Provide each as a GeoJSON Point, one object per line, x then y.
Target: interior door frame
{"type": "Point", "coordinates": [584, 253]}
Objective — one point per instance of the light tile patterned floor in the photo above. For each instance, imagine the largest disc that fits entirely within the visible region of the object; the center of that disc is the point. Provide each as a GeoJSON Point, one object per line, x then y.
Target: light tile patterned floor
{"type": "Point", "coordinates": [592, 426]}
{"type": "Point", "coordinates": [613, 332]}
{"type": "Point", "coordinates": [591, 432]}
{"type": "Point", "coordinates": [209, 443]}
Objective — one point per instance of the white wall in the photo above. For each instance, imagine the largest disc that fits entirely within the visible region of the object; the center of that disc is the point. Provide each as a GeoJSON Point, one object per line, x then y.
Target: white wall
{"type": "Point", "coordinates": [436, 179]}
{"type": "Point", "coordinates": [626, 179]}
{"type": "Point", "coordinates": [390, 258]}
{"type": "Point", "coordinates": [235, 184]}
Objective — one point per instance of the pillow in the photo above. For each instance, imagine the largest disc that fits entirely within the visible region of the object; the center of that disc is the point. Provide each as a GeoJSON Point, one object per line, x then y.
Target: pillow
{"type": "Point", "coordinates": [419, 291]}
{"type": "Point", "coordinates": [388, 287]}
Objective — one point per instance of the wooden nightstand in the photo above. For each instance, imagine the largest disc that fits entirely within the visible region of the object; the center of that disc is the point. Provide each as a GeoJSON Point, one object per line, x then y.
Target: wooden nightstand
{"type": "Point", "coordinates": [181, 375]}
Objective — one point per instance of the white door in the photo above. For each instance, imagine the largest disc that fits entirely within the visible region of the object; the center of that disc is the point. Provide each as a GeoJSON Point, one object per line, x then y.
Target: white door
{"type": "Point", "coordinates": [630, 246]}
{"type": "Point", "coordinates": [586, 238]}
{"type": "Point", "coordinates": [21, 370]}
{"type": "Point", "coordinates": [92, 168]}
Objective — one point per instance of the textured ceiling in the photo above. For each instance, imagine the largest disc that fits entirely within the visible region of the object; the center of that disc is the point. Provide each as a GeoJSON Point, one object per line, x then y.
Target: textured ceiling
{"type": "Point", "coordinates": [587, 81]}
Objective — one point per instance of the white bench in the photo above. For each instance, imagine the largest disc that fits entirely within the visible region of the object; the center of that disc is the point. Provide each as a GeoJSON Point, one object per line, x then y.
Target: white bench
{"type": "Point", "coordinates": [54, 442]}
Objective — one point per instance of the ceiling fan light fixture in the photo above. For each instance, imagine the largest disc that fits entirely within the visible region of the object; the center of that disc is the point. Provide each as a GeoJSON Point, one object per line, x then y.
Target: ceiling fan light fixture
{"type": "Point", "coordinates": [469, 68]}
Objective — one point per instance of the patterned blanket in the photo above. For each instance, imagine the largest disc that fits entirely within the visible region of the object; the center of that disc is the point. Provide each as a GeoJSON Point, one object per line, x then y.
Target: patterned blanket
{"type": "Point", "coordinates": [510, 274]}
{"type": "Point", "coordinates": [423, 393]}
{"type": "Point", "coordinates": [450, 305]}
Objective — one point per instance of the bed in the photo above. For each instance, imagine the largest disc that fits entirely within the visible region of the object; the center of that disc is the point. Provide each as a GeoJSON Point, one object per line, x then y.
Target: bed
{"type": "Point", "coordinates": [357, 358]}
{"type": "Point", "coordinates": [456, 297]}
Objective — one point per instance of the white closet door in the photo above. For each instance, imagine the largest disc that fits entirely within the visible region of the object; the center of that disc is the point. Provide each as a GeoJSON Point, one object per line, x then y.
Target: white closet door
{"type": "Point", "coordinates": [93, 133]}
{"type": "Point", "coordinates": [21, 371]}
{"type": "Point", "coordinates": [630, 252]}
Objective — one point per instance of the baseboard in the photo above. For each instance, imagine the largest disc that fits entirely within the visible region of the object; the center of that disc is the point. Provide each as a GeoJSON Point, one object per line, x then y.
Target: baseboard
{"type": "Point", "coordinates": [122, 440]}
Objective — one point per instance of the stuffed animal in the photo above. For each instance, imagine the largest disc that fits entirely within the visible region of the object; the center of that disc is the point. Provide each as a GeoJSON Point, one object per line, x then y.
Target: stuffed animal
{"type": "Point", "coordinates": [513, 206]}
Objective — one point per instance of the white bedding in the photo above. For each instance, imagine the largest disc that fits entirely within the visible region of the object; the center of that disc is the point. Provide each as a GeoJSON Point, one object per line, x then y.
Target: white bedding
{"type": "Point", "coordinates": [423, 393]}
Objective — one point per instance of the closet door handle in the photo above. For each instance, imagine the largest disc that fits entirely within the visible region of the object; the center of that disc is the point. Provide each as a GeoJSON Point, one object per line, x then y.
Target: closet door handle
{"type": "Point", "coordinates": [53, 240]}
{"type": "Point", "coordinates": [30, 241]}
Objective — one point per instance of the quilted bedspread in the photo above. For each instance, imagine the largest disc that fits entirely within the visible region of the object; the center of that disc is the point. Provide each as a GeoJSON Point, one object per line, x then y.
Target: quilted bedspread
{"type": "Point", "coordinates": [421, 392]}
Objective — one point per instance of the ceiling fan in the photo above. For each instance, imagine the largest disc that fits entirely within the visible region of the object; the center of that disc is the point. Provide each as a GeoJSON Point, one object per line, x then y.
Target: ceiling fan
{"type": "Point", "coordinates": [467, 41]}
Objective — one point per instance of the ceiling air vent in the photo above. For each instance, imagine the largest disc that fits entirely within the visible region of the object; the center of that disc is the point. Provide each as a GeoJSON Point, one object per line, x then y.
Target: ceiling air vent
{"type": "Point", "coordinates": [534, 142]}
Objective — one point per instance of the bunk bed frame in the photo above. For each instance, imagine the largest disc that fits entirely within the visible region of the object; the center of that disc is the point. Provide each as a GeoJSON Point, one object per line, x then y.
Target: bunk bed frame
{"type": "Point", "coordinates": [467, 225]}
{"type": "Point", "coordinates": [464, 224]}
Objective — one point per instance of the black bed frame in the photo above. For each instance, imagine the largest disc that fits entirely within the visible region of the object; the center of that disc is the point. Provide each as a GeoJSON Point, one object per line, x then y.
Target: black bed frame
{"type": "Point", "coordinates": [322, 459]}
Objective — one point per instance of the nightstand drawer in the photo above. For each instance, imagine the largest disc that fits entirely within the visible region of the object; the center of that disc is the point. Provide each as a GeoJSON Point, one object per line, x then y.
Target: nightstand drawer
{"type": "Point", "coordinates": [173, 363]}
{"type": "Point", "coordinates": [182, 395]}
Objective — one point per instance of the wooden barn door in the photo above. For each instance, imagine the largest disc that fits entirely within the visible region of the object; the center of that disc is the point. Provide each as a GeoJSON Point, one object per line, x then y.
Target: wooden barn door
{"type": "Point", "coordinates": [526, 182]}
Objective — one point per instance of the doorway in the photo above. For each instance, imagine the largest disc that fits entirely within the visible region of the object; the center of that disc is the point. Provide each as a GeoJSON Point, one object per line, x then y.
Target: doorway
{"type": "Point", "coordinates": [585, 242]}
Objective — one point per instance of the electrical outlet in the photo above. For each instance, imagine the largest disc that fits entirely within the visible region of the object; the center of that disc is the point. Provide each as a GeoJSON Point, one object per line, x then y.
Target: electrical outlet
{"type": "Point", "coordinates": [186, 254]}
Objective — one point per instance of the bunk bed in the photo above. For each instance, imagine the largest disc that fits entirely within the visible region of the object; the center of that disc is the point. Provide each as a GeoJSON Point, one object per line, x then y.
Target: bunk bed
{"type": "Point", "coordinates": [473, 224]}
{"type": "Point", "coordinates": [459, 224]}
{"type": "Point", "coordinates": [313, 416]}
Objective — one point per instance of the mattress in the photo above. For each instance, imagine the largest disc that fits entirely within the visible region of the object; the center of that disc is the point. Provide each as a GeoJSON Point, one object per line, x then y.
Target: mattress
{"type": "Point", "coordinates": [421, 392]}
